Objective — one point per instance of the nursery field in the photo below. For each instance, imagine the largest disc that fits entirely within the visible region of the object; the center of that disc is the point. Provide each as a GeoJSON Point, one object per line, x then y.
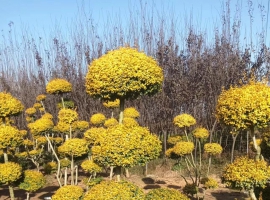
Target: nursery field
{"type": "Point", "coordinates": [82, 119]}
{"type": "Point", "coordinates": [161, 176]}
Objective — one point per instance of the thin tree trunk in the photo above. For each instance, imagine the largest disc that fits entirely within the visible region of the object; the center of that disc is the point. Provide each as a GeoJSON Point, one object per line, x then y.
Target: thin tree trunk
{"type": "Point", "coordinates": [247, 142]}
{"type": "Point", "coordinates": [118, 173]}
{"type": "Point", "coordinates": [127, 172]}
{"type": "Point", "coordinates": [76, 173]}
{"type": "Point", "coordinates": [72, 170]}
{"type": "Point", "coordinates": [212, 131]}
{"type": "Point", "coordinates": [111, 172]}
{"type": "Point", "coordinates": [252, 194]}
{"type": "Point", "coordinates": [121, 114]}
{"type": "Point", "coordinates": [63, 101]}
{"type": "Point", "coordinates": [58, 161]}
{"type": "Point", "coordinates": [65, 176]}
{"type": "Point", "coordinates": [233, 145]}
{"type": "Point", "coordinates": [209, 164]}
{"type": "Point", "coordinates": [11, 192]}
{"type": "Point", "coordinates": [27, 195]}
{"type": "Point", "coordinates": [5, 156]}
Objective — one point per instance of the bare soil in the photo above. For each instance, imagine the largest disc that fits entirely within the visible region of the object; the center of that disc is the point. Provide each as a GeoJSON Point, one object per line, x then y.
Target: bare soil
{"type": "Point", "coordinates": [160, 177]}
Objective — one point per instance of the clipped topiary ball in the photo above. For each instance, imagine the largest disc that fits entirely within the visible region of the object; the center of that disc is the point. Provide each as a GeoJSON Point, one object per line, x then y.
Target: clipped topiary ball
{"type": "Point", "coordinates": [108, 190]}
{"type": "Point", "coordinates": [123, 73]}
{"type": "Point", "coordinates": [165, 193]}
{"type": "Point", "coordinates": [68, 192]}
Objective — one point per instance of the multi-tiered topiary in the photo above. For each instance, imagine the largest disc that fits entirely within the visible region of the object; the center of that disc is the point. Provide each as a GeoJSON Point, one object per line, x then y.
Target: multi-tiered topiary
{"type": "Point", "coordinates": [124, 73]}
{"type": "Point", "coordinates": [10, 137]}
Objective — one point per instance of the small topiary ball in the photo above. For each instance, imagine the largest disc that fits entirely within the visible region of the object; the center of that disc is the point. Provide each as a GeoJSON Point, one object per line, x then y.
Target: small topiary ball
{"type": "Point", "coordinates": [201, 133]}
{"type": "Point", "coordinates": [165, 193]}
{"type": "Point", "coordinates": [213, 148]}
{"type": "Point", "coordinates": [33, 180]}
{"type": "Point", "coordinates": [97, 119]}
{"type": "Point", "coordinates": [108, 190]}
{"type": "Point", "coordinates": [90, 167]}
{"type": "Point", "coordinates": [184, 120]}
{"type": "Point", "coordinates": [9, 172]}
{"type": "Point", "coordinates": [9, 105]}
{"type": "Point", "coordinates": [68, 192]}
{"type": "Point", "coordinates": [183, 148]}
{"type": "Point", "coordinates": [58, 86]}
{"type": "Point", "coordinates": [131, 112]}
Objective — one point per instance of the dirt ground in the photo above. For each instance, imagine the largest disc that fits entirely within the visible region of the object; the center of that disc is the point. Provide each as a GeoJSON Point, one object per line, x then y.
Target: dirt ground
{"type": "Point", "coordinates": [161, 177]}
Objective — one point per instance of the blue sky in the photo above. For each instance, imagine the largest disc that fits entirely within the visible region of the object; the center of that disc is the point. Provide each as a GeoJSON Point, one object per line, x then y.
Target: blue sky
{"type": "Point", "coordinates": [41, 16]}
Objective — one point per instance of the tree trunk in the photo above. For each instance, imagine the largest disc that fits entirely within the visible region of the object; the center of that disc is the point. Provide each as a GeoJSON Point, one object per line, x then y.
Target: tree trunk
{"type": "Point", "coordinates": [11, 192]}
{"type": "Point", "coordinates": [233, 145]}
{"type": "Point", "coordinates": [5, 155]}
{"type": "Point", "coordinates": [127, 173]}
{"type": "Point", "coordinates": [121, 114]}
{"type": "Point", "coordinates": [118, 173]}
{"type": "Point", "coordinates": [65, 176]}
{"type": "Point", "coordinates": [252, 194]}
{"type": "Point", "coordinates": [209, 164]}
{"type": "Point", "coordinates": [72, 170]}
{"type": "Point", "coordinates": [27, 195]}
{"type": "Point", "coordinates": [111, 172]}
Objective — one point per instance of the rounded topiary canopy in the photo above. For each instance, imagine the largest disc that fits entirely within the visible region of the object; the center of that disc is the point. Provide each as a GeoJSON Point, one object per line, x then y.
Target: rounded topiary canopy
{"type": "Point", "coordinates": [108, 190]}
{"type": "Point", "coordinates": [126, 147]}
{"type": "Point", "coordinates": [33, 180]}
{"type": "Point", "coordinates": [58, 86]}
{"type": "Point", "coordinates": [245, 173]}
{"type": "Point", "coordinates": [74, 146]}
{"type": "Point", "coordinates": [9, 105]}
{"type": "Point", "coordinates": [245, 107]}
{"type": "Point", "coordinates": [165, 193]}
{"type": "Point", "coordinates": [10, 137]}
{"type": "Point", "coordinates": [9, 172]}
{"type": "Point", "coordinates": [124, 73]}
{"type": "Point", "coordinates": [68, 192]}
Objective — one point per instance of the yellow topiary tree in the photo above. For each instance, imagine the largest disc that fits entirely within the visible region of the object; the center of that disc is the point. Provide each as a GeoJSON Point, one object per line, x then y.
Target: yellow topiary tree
{"type": "Point", "coordinates": [73, 148]}
{"type": "Point", "coordinates": [9, 173]}
{"type": "Point", "coordinates": [33, 180]}
{"type": "Point", "coordinates": [212, 149]}
{"type": "Point", "coordinates": [245, 173]}
{"type": "Point", "coordinates": [124, 73]}
{"type": "Point", "coordinates": [92, 168]}
{"type": "Point", "coordinates": [245, 108]}
{"type": "Point", "coordinates": [121, 146]}
{"type": "Point", "coordinates": [59, 87]}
